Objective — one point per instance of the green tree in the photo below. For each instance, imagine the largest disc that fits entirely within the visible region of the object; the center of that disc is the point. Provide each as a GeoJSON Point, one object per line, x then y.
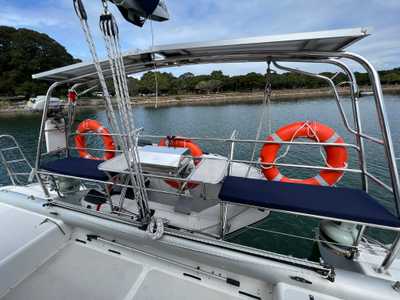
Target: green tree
{"type": "Point", "coordinates": [24, 52]}
{"type": "Point", "coordinates": [208, 86]}
{"type": "Point", "coordinates": [133, 86]}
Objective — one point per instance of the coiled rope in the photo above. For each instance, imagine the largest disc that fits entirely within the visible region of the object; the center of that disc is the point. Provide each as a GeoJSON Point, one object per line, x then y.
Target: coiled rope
{"type": "Point", "coordinates": [155, 229]}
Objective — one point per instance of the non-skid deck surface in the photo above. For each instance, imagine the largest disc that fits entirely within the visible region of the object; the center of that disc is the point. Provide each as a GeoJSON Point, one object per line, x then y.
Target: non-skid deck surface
{"type": "Point", "coordinates": [173, 288]}
{"type": "Point", "coordinates": [78, 273]}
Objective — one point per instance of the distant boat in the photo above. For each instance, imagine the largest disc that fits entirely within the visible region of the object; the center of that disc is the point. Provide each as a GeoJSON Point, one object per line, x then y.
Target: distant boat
{"type": "Point", "coordinates": [37, 103]}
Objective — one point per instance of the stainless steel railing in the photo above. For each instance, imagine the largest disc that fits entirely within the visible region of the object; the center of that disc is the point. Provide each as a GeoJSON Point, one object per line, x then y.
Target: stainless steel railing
{"type": "Point", "coordinates": [333, 58]}
{"type": "Point", "coordinates": [16, 164]}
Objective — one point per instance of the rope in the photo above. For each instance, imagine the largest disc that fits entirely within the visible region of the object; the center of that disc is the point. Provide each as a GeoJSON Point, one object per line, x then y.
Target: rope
{"type": "Point", "coordinates": [81, 13]}
{"type": "Point", "coordinates": [126, 130]}
{"type": "Point", "coordinates": [155, 229]}
{"type": "Point", "coordinates": [154, 59]}
{"type": "Point", "coordinates": [109, 28]}
{"type": "Point", "coordinates": [314, 135]}
{"type": "Point", "coordinates": [266, 111]}
{"type": "Point", "coordinates": [360, 246]}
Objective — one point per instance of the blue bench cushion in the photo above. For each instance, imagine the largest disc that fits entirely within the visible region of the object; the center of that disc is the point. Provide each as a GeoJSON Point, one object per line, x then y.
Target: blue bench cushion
{"type": "Point", "coordinates": [341, 203]}
{"type": "Point", "coordinates": [75, 166]}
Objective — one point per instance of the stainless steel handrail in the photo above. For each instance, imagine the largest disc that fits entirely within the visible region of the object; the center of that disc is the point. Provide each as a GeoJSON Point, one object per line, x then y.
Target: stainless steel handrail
{"type": "Point", "coordinates": [108, 182]}
{"type": "Point", "coordinates": [13, 175]}
{"type": "Point", "coordinates": [388, 145]}
{"type": "Point", "coordinates": [337, 98]}
{"type": "Point", "coordinates": [332, 58]}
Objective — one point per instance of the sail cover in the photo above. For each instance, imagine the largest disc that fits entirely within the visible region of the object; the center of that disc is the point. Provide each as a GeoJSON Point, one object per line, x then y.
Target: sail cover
{"type": "Point", "coordinates": [138, 11]}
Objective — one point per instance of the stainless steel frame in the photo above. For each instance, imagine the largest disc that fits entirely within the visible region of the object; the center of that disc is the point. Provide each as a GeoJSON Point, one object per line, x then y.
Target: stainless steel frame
{"type": "Point", "coordinates": [324, 57]}
{"type": "Point", "coordinates": [14, 176]}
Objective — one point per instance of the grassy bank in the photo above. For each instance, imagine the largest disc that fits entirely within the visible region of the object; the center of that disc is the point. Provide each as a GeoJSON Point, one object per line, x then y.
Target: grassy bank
{"type": "Point", "coordinates": [11, 107]}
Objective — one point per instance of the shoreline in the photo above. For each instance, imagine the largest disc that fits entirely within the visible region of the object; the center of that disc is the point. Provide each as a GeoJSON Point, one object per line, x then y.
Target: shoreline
{"type": "Point", "coordinates": [204, 99]}
{"type": "Point", "coordinates": [249, 97]}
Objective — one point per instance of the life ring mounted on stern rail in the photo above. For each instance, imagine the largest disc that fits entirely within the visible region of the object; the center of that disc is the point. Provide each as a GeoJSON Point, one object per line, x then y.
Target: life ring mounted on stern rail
{"type": "Point", "coordinates": [336, 156]}
{"type": "Point", "coordinates": [89, 125]}
{"type": "Point", "coordinates": [195, 151]}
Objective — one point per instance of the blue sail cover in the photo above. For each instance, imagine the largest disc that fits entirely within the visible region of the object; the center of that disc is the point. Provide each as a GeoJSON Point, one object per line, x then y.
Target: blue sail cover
{"type": "Point", "coordinates": [339, 203]}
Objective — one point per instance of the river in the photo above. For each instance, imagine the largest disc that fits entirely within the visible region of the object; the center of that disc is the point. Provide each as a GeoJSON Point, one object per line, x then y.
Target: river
{"type": "Point", "coordinates": [221, 120]}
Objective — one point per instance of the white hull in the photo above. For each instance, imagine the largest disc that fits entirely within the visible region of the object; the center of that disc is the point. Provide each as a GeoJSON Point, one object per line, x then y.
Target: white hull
{"type": "Point", "coordinates": [54, 257]}
{"type": "Point", "coordinates": [37, 104]}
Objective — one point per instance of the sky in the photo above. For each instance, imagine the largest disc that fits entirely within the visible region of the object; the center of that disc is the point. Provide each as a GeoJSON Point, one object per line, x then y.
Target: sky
{"type": "Point", "coordinates": [204, 20]}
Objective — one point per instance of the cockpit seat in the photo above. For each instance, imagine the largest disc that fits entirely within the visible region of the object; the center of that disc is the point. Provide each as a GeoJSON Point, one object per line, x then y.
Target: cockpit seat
{"type": "Point", "coordinates": [339, 203]}
{"type": "Point", "coordinates": [76, 166]}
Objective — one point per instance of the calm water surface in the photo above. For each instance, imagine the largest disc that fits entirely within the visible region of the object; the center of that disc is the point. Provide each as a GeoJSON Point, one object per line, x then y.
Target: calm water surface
{"type": "Point", "coordinates": [220, 121]}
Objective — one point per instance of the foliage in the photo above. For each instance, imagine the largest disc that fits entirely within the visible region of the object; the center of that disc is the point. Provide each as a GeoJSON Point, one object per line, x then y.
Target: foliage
{"type": "Point", "coordinates": [216, 82]}
{"type": "Point", "coordinates": [24, 52]}
{"type": "Point", "coordinates": [212, 85]}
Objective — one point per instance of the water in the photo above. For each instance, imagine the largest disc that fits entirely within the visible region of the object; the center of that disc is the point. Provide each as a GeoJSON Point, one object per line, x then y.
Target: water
{"type": "Point", "coordinates": [221, 120]}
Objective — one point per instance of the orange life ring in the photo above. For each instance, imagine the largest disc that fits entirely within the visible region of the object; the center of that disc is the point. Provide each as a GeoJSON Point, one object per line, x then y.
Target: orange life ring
{"type": "Point", "coordinates": [336, 155]}
{"type": "Point", "coordinates": [195, 151]}
{"type": "Point", "coordinates": [94, 126]}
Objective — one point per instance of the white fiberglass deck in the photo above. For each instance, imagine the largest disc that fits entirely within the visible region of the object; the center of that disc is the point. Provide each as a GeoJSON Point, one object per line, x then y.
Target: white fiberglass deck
{"type": "Point", "coordinates": [44, 258]}
{"type": "Point", "coordinates": [79, 271]}
{"type": "Point", "coordinates": [95, 271]}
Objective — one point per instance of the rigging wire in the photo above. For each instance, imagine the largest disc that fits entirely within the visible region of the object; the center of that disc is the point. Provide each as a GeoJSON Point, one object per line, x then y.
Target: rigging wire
{"type": "Point", "coordinates": [81, 13]}
{"type": "Point", "coordinates": [311, 239]}
{"type": "Point", "coordinates": [266, 111]}
{"type": "Point", "coordinates": [154, 60]}
{"type": "Point", "coordinates": [109, 28]}
{"type": "Point", "coordinates": [126, 133]}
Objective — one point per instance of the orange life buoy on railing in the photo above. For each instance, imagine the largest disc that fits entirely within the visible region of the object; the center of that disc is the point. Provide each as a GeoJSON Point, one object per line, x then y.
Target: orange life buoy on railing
{"type": "Point", "coordinates": [336, 156]}
{"type": "Point", "coordinates": [195, 151]}
{"type": "Point", "coordinates": [94, 126]}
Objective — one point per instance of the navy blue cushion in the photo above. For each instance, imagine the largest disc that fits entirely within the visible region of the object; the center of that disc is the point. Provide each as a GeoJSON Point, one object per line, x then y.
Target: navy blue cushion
{"type": "Point", "coordinates": [342, 203]}
{"type": "Point", "coordinates": [75, 166]}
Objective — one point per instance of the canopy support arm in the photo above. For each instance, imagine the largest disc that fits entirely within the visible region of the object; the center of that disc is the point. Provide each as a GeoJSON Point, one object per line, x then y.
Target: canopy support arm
{"type": "Point", "coordinates": [388, 144]}
{"type": "Point", "coordinates": [383, 122]}
{"type": "Point", "coordinates": [337, 97]}
{"type": "Point", "coordinates": [41, 134]}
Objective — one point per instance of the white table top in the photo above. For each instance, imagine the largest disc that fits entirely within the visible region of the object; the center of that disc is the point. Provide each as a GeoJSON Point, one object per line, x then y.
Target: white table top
{"type": "Point", "coordinates": [152, 158]}
{"type": "Point", "coordinates": [211, 169]}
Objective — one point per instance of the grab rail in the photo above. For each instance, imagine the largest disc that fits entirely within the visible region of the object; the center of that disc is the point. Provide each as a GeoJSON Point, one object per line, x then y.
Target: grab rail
{"type": "Point", "coordinates": [331, 58]}
{"type": "Point", "coordinates": [12, 165]}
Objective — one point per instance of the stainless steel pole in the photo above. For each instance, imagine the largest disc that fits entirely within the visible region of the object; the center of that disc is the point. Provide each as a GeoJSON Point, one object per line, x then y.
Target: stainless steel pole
{"type": "Point", "coordinates": [41, 133]}
{"type": "Point", "coordinates": [384, 124]}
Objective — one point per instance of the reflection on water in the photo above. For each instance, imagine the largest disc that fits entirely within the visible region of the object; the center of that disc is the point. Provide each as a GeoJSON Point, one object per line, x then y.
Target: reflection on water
{"type": "Point", "coordinates": [220, 121]}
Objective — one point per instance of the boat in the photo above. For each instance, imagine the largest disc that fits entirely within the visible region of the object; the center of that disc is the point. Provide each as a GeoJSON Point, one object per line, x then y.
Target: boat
{"type": "Point", "coordinates": [37, 103]}
{"type": "Point", "coordinates": [149, 216]}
